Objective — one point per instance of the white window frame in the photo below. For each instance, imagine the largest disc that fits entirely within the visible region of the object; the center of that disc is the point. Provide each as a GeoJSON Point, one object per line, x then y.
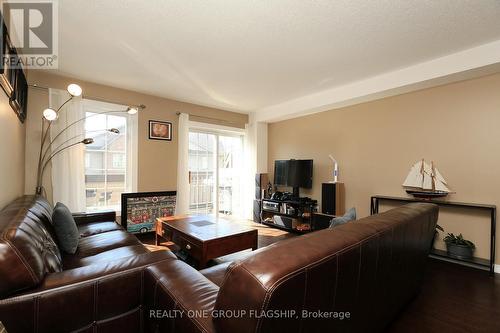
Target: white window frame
{"type": "Point", "coordinates": [131, 171]}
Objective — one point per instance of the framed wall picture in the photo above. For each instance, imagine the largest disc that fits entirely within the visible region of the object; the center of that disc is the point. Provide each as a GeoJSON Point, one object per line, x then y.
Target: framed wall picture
{"type": "Point", "coordinates": [19, 98]}
{"type": "Point", "coordinates": [12, 77]}
{"type": "Point", "coordinates": [140, 210]}
{"type": "Point", "coordinates": [160, 130]}
{"type": "Point", "coordinates": [7, 78]}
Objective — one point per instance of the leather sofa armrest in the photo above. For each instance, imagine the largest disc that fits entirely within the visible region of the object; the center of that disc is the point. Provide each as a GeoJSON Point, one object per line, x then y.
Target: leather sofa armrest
{"type": "Point", "coordinates": [178, 298]}
{"type": "Point", "coordinates": [216, 273]}
{"type": "Point", "coordinates": [95, 297]}
{"type": "Point", "coordinates": [84, 218]}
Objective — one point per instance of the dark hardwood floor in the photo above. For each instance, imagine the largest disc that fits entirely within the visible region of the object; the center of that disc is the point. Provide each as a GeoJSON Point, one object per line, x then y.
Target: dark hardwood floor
{"type": "Point", "coordinates": [453, 298]}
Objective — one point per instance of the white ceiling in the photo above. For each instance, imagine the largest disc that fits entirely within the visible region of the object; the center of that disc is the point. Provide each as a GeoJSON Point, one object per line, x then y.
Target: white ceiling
{"type": "Point", "coordinates": [246, 56]}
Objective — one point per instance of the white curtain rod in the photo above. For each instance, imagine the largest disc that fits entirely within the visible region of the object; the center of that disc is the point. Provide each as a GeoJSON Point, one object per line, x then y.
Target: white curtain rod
{"type": "Point", "coordinates": [142, 106]}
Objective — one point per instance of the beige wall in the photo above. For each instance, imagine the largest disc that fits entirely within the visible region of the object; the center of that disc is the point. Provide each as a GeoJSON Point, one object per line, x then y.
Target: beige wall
{"type": "Point", "coordinates": [456, 125]}
{"type": "Point", "coordinates": [12, 134]}
{"type": "Point", "coordinates": [157, 159]}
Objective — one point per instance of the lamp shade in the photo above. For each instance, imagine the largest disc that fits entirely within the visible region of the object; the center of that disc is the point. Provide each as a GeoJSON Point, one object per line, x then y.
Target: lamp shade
{"type": "Point", "coordinates": [88, 141]}
{"type": "Point", "coordinates": [132, 110]}
{"type": "Point", "coordinates": [74, 90]}
{"type": "Point", "coordinates": [50, 114]}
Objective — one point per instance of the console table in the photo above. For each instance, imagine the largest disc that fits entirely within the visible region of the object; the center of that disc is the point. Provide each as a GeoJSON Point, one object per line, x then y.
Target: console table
{"type": "Point", "coordinates": [440, 254]}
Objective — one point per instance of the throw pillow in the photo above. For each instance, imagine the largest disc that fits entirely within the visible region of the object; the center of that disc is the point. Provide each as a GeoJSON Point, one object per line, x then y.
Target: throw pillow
{"type": "Point", "coordinates": [65, 228]}
{"type": "Point", "coordinates": [339, 220]}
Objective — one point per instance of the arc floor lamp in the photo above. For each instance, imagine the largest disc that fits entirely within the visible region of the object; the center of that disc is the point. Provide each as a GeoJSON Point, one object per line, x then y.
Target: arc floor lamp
{"type": "Point", "coordinates": [50, 115]}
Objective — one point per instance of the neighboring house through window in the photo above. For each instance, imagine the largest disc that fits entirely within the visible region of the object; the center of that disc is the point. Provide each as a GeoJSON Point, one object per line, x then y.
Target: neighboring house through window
{"type": "Point", "coordinates": [110, 161]}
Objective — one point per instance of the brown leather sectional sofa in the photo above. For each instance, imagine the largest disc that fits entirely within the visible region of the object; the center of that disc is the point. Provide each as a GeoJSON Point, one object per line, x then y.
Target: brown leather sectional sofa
{"type": "Point", "coordinates": [100, 287]}
{"type": "Point", "coordinates": [354, 278]}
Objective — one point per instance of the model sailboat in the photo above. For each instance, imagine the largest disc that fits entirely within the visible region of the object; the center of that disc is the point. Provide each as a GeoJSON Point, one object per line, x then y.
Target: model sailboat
{"type": "Point", "coordinates": [426, 181]}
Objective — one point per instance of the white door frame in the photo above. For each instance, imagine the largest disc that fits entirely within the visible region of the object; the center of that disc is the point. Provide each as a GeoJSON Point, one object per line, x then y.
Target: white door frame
{"type": "Point", "coordinates": [216, 130]}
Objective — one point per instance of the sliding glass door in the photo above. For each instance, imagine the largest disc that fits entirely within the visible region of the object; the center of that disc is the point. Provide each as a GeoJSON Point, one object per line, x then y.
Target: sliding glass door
{"type": "Point", "coordinates": [230, 174]}
{"type": "Point", "coordinates": [216, 173]}
{"type": "Point", "coordinates": [202, 149]}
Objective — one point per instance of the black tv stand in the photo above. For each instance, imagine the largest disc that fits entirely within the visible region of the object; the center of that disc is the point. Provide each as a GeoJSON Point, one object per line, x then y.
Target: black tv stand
{"type": "Point", "coordinates": [296, 192]}
{"type": "Point", "coordinates": [293, 215]}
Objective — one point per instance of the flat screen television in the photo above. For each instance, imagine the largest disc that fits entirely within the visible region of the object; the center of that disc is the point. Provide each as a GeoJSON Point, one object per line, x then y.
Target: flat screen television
{"type": "Point", "coordinates": [281, 173]}
{"type": "Point", "coordinates": [293, 173]}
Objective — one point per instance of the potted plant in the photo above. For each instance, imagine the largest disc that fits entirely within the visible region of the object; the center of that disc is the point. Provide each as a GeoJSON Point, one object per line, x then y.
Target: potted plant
{"type": "Point", "coordinates": [458, 247]}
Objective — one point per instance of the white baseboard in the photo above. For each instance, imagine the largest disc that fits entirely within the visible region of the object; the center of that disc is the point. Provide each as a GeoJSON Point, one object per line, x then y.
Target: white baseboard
{"type": "Point", "coordinates": [497, 269]}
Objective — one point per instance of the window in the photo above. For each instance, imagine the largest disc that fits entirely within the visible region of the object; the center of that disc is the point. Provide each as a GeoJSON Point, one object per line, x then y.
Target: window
{"type": "Point", "coordinates": [119, 160]}
{"type": "Point", "coordinates": [109, 160]}
{"type": "Point", "coordinates": [216, 167]}
{"type": "Point", "coordinates": [202, 172]}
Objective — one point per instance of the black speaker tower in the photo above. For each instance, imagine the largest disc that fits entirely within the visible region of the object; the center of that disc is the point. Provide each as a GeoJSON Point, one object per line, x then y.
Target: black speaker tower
{"type": "Point", "coordinates": [261, 181]}
{"type": "Point", "coordinates": [332, 199]}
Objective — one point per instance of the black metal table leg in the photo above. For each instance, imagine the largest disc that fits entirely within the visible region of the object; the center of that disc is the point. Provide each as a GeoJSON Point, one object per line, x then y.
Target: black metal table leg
{"type": "Point", "coordinates": [492, 240]}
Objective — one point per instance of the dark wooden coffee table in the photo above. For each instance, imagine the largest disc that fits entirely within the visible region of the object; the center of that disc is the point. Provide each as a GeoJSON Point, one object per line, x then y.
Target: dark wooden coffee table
{"type": "Point", "coordinates": [206, 237]}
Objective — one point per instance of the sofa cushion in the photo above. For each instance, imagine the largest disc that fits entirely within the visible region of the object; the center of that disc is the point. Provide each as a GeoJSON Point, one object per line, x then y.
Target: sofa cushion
{"type": "Point", "coordinates": [103, 269]}
{"type": "Point", "coordinates": [105, 241]}
{"type": "Point", "coordinates": [65, 227]}
{"type": "Point", "coordinates": [350, 215]}
{"type": "Point", "coordinates": [39, 207]}
{"type": "Point", "coordinates": [95, 228]}
{"type": "Point", "coordinates": [113, 254]}
{"type": "Point", "coordinates": [27, 250]}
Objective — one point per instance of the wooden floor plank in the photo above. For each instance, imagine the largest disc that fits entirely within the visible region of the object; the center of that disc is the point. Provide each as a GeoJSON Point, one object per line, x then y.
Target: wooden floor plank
{"type": "Point", "coordinates": [453, 298]}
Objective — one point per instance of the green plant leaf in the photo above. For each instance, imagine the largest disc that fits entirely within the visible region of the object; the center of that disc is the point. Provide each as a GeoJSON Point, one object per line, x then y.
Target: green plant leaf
{"type": "Point", "coordinates": [458, 240]}
{"type": "Point", "coordinates": [470, 244]}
